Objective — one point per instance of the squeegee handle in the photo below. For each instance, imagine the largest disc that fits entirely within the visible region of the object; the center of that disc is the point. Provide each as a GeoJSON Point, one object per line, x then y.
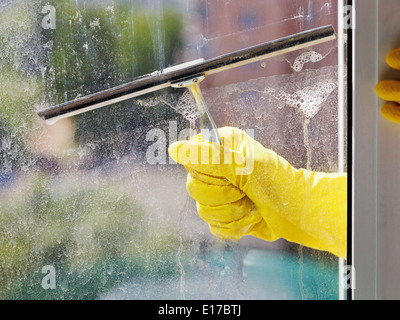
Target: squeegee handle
{"type": "Point", "coordinates": [209, 130]}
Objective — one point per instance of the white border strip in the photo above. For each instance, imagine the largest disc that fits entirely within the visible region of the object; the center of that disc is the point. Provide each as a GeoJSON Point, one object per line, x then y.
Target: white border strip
{"type": "Point", "coordinates": [341, 106]}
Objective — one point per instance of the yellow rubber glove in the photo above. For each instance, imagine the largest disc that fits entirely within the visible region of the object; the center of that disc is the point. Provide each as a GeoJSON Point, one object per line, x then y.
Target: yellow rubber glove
{"type": "Point", "coordinates": [389, 90]}
{"type": "Point", "coordinates": [242, 188]}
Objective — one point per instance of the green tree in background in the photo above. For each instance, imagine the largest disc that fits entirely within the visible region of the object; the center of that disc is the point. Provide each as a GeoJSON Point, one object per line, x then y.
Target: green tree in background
{"type": "Point", "coordinates": [95, 47]}
{"type": "Point", "coordinates": [92, 231]}
{"type": "Point", "coordinates": [19, 84]}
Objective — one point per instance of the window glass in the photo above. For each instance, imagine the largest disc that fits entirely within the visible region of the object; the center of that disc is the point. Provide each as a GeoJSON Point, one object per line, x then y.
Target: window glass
{"type": "Point", "coordinates": [92, 207]}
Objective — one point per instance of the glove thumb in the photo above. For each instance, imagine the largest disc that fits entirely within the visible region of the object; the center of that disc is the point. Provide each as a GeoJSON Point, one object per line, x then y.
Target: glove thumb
{"type": "Point", "coordinates": [232, 159]}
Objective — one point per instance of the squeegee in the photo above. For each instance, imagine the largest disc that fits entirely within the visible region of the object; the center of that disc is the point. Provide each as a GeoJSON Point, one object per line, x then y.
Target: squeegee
{"type": "Point", "coordinates": [189, 75]}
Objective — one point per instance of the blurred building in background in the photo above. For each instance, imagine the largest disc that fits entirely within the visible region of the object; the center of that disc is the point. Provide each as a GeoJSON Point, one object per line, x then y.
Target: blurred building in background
{"type": "Point", "coordinates": [219, 27]}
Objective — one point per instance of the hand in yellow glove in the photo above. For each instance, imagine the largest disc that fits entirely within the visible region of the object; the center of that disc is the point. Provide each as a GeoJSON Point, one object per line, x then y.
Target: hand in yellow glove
{"type": "Point", "coordinates": [389, 90]}
{"type": "Point", "coordinates": [242, 188]}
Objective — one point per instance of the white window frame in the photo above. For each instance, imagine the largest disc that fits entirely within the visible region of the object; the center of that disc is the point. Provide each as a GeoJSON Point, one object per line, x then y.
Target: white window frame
{"type": "Point", "coordinates": [376, 155]}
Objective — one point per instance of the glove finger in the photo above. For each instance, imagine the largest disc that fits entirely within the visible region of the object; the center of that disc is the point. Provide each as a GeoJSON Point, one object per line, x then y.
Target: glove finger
{"type": "Point", "coordinates": [218, 181]}
{"type": "Point", "coordinates": [207, 157]}
{"type": "Point", "coordinates": [236, 220]}
{"type": "Point", "coordinates": [393, 58]}
{"type": "Point", "coordinates": [388, 90]}
{"type": "Point", "coordinates": [225, 213]}
{"type": "Point", "coordinates": [391, 111]}
{"type": "Point", "coordinates": [219, 192]}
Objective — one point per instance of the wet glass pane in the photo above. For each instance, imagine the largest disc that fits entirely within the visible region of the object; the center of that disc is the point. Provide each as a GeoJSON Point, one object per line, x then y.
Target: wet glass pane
{"type": "Point", "coordinates": [92, 207]}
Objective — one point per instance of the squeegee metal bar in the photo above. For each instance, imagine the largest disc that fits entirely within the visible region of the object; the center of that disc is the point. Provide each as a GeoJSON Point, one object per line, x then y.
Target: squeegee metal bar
{"type": "Point", "coordinates": [162, 79]}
